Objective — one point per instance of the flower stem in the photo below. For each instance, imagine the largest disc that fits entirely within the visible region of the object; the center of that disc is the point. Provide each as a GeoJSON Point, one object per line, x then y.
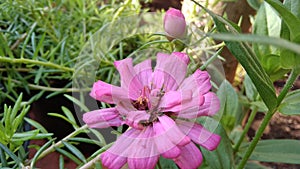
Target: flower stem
{"type": "Point", "coordinates": [51, 148]}
{"type": "Point", "coordinates": [256, 138]}
{"type": "Point", "coordinates": [267, 118]}
{"type": "Point", "coordinates": [246, 129]}
{"type": "Point", "coordinates": [36, 62]}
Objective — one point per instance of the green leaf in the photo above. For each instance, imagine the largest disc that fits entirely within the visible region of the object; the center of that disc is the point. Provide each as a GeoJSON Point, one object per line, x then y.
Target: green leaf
{"type": "Point", "coordinates": [39, 152]}
{"type": "Point", "coordinates": [290, 104]}
{"type": "Point", "coordinates": [279, 151]}
{"type": "Point", "coordinates": [75, 151]}
{"type": "Point", "coordinates": [76, 101]}
{"type": "Point", "coordinates": [62, 117]}
{"type": "Point", "coordinates": [255, 165]}
{"type": "Point", "coordinates": [69, 155]}
{"type": "Point", "coordinates": [255, 4]}
{"type": "Point", "coordinates": [10, 154]}
{"type": "Point", "coordinates": [36, 125]}
{"type": "Point", "coordinates": [222, 157]}
{"type": "Point", "coordinates": [267, 22]}
{"type": "Point", "coordinates": [248, 60]}
{"type": "Point", "coordinates": [166, 163]}
{"type": "Point", "coordinates": [69, 115]}
{"type": "Point", "coordinates": [289, 18]}
{"type": "Point", "coordinates": [61, 162]}
{"type": "Point", "coordinates": [250, 89]}
{"type": "Point", "coordinates": [229, 105]}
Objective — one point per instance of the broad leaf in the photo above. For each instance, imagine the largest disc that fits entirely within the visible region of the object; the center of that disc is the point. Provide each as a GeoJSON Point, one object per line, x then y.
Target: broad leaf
{"type": "Point", "coordinates": [267, 22]}
{"type": "Point", "coordinates": [229, 105]}
{"type": "Point", "coordinates": [279, 150]}
{"type": "Point", "coordinates": [289, 18]}
{"type": "Point", "coordinates": [290, 104]}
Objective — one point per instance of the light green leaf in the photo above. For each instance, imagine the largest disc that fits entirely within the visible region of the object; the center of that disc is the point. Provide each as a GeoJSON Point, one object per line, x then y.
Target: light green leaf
{"type": "Point", "coordinates": [69, 155]}
{"type": "Point", "coordinates": [279, 151]}
{"type": "Point", "coordinates": [76, 101]}
{"type": "Point", "coordinates": [75, 151]}
{"type": "Point", "coordinates": [290, 104]}
{"type": "Point", "coordinates": [290, 19]}
{"type": "Point", "coordinates": [267, 22]}
{"type": "Point", "coordinates": [229, 105]}
{"type": "Point", "coordinates": [255, 4]}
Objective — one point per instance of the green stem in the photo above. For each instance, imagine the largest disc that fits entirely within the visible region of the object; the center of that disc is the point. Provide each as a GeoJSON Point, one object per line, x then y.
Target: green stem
{"type": "Point", "coordinates": [256, 138]}
{"type": "Point", "coordinates": [36, 62]}
{"type": "Point", "coordinates": [267, 118]}
{"type": "Point", "coordinates": [287, 86]}
{"type": "Point", "coordinates": [246, 129]}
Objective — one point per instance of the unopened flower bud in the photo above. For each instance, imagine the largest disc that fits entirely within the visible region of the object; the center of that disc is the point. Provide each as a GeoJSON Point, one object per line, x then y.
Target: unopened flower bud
{"type": "Point", "coordinates": [174, 24]}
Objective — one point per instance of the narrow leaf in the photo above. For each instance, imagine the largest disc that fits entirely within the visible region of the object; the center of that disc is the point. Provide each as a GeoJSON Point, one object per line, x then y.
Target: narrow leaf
{"type": "Point", "coordinates": [75, 151]}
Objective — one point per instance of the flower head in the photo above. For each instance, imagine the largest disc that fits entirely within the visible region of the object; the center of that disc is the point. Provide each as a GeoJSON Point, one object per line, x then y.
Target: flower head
{"type": "Point", "coordinates": [160, 106]}
{"type": "Point", "coordinates": [174, 23]}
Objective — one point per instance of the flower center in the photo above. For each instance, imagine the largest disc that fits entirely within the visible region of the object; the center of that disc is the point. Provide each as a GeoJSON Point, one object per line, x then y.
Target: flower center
{"type": "Point", "coordinates": [151, 107]}
{"type": "Point", "coordinates": [142, 102]}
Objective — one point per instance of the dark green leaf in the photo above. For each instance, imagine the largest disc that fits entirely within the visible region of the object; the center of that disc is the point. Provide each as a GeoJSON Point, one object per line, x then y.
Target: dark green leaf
{"type": "Point", "coordinates": [10, 154]}
{"type": "Point", "coordinates": [290, 104]}
{"type": "Point", "coordinates": [167, 163]}
{"type": "Point", "coordinates": [280, 151]}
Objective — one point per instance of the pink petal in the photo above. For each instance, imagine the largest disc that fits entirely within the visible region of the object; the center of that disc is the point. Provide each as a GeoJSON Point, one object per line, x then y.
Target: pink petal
{"type": "Point", "coordinates": [172, 131]}
{"type": "Point", "coordinates": [190, 158]}
{"type": "Point", "coordinates": [144, 72]}
{"type": "Point", "coordinates": [209, 107]}
{"type": "Point", "coordinates": [107, 93]}
{"type": "Point", "coordinates": [174, 23]}
{"type": "Point", "coordinates": [163, 144]}
{"type": "Point", "coordinates": [134, 118]}
{"type": "Point", "coordinates": [198, 82]}
{"type": "Point", "coordinates": [129, 78]}
{"type": "Point", "coordinates": [143, 151]}
{"type": "Point", "coordinates": [173, 99]}
{"type": "Point", "coordinates": [142, 163]}
{"type": "Point", "coordinates": [168, 137]}
{"type": "Point", "coordinates": [188, 108]}
{"type": "Point", "coordinates": [183, 56]}
{"type": "Point", "coordinates": [169, 72]}
{"type": "Point", "coordinates": [102, 118]}
{"type": "Point", "coordinates": [199, 134]}
{"type": "Point", "coordinates": [112, 161]}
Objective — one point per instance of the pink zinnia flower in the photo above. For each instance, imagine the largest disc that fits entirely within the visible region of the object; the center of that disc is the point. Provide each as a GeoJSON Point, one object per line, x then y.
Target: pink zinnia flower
{"type": "Point", "coordinates": [160, 107]}
{"type": "Point", "coordinates": [174, 23]}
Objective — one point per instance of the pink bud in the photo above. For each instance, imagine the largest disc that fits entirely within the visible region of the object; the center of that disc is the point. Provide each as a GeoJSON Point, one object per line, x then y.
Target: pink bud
{"type": "Point", "coordinates": [174, 23]}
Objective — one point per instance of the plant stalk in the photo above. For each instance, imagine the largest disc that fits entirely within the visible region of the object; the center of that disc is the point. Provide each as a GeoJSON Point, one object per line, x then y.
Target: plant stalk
{"type": "Point", "coordinates": [246, 129]}
{"type": "Point", "coordinates": [293, 76]}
